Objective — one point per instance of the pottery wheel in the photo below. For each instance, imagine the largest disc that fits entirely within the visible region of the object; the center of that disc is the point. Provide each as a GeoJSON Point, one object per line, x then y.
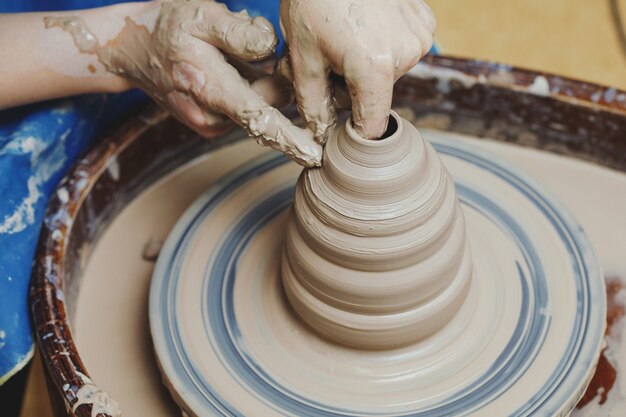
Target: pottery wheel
{"type": "Point", "coordinates": [525, 341]}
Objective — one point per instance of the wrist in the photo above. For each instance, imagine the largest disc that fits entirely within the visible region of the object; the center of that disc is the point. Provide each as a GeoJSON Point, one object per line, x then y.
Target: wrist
{"type": "Point", "coordinates": [115, 84]}
{"type": "Point", "coordinates": [109, 22]}
{"type": "Point", "coordinates": [142, 13]}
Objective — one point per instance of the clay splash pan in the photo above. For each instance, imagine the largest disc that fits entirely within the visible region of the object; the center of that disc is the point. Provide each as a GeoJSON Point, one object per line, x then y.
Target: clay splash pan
{"type": "Point", "coordinates": [479, 99]}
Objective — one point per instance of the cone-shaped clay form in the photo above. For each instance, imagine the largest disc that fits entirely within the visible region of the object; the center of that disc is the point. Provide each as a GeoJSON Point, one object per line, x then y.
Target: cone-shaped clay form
{"type": "Point", "coordinates": [376, 255]}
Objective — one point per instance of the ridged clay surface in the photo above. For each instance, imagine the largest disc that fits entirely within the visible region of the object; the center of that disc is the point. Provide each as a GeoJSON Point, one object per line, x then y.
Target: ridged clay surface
{"type": "Point", "coordinates": [376, 255]}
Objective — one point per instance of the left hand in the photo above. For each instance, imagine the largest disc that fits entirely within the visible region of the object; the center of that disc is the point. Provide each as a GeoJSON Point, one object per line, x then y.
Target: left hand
{"type": "Point", "coordinates": [183, 53]}
{"type": "Point", "coordinates": [371, 43]}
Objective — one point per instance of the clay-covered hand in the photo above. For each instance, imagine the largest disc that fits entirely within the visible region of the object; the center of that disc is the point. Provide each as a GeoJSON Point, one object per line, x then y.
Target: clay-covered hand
{"type": "Point", "coordinates": [371, 43]}
{"type": "Point", "coordinates": [182, 64]}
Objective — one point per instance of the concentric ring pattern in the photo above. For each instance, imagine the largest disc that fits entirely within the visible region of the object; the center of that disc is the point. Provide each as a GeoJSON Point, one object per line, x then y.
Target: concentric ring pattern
{"type": "Point", "coordinates": [525, 343]}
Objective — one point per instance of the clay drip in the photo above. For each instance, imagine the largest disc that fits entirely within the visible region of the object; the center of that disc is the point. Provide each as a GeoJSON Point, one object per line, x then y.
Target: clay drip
{"type": "Point", "coordinates": [376, 255]}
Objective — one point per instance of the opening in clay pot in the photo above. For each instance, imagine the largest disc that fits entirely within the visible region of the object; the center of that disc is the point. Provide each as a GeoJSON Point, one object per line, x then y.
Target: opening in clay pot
{"type": "Point", "coordinates": [392, 128]}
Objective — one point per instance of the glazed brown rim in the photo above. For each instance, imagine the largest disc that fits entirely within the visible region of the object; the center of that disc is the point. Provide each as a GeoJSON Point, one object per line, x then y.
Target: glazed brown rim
{"type": "Point", "coordinates": [50, 282]}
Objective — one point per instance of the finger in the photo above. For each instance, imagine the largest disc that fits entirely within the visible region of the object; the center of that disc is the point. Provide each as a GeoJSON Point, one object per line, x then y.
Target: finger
{"type": "Point", "coordinates": [370, 81]}
{"type": "Point", "coordinates": [249, 71]}
{"type": "Point", "coordinates": [425, 15]}
{"type": "Point", "coordinates": [418, 38]}
{"type": "Point", "coordinates": [233, 96]}
{"type": "Point", "coordinates": [409, 52]}
{"type": "Point", "coordinates": [275, 88]}
{"type": "Point", "coordinates": [271, 128]}
{"type": "Point", "coordinates": [313, 88]}
{"type": "Point", "coordinates": [184, 109]}
{"type": "Point", "coordinates": [236, 34]}
{"type": "Point", "coordinates": [283, 67]}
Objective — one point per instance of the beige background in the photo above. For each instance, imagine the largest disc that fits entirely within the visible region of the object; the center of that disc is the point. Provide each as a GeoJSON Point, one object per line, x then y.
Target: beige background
{"type": "Point", "coordinates": [575, 38]}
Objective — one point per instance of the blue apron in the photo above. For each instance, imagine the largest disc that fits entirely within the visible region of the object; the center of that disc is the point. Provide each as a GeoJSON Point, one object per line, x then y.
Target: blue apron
{"type": "Point", "coordinates": [38, 144]}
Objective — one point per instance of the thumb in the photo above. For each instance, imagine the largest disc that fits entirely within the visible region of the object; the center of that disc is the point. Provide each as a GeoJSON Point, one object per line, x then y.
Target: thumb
{"type": "Point", "coordinates": [236, 34]}
{"type": "Point", "coordinates": [271, 128]}
{"type": "Point", "coordinates": [233, 96]}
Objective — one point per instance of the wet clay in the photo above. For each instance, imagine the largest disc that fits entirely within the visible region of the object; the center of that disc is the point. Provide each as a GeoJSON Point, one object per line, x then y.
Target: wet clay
{"type": "Point", "coordinates": [112, 309]}
{"type": "Point", "coordinates": [180, 63]}
{"type": "Point", "coordinates": [606, 374]}
{"type": "Point", "coordinates": [371, 43]}
{"type": "Point", "coordinates": [376, 254]}
{"type": "Point", "coordinates": [119, 319]}
{"type": "Point", "coordinates": [99, 400]}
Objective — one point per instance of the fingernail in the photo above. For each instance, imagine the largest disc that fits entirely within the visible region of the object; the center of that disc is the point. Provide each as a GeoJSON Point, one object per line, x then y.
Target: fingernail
{"type": "Point", "coordinates": [313, 157]}
{"type": "Point", "coordinates": [243, 13]}
{"type": "Point", "coordinates": [299, 145]}
{"type": "Point", "coordinates": [308, 152]}
{"type": "Point", "coordinates": [261, 43]}
{"type": "Point", "coordinates": [318, 128]}
{"type": "Point", "coordinates": [263, 23]}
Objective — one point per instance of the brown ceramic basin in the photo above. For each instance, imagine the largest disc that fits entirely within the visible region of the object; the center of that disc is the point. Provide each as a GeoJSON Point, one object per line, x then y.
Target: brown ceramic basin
{"type": "Point", "coordinates": [555, 114]}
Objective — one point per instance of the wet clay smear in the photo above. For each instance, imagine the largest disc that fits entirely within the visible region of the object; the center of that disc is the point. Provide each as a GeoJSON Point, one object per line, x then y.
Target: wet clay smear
{"type": "Point", "coordinates": [606, 374]}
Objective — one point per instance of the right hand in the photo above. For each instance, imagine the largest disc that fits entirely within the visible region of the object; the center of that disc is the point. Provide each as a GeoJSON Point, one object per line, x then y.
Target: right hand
{"type": "Point", "coordinates": [371, 43]}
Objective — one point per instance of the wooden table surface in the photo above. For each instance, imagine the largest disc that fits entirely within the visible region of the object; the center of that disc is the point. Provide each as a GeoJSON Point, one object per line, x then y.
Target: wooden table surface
{"type": "Point", "coordinates": [574, 38]}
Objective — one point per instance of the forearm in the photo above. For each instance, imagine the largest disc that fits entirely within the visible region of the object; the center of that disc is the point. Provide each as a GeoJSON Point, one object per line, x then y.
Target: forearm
{"type": "Point", "coordinates": [39, 64]}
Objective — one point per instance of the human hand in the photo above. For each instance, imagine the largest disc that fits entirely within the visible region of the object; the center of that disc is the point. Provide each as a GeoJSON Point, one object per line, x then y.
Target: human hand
{"type": "Point", "coordinates": [371, 43]}
{"type": "Point", "coordinates": [180, 62]}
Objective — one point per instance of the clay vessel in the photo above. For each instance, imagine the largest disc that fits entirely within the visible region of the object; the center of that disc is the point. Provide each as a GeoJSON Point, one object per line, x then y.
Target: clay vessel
{"type": "Point", "coordinates": [376, 255]}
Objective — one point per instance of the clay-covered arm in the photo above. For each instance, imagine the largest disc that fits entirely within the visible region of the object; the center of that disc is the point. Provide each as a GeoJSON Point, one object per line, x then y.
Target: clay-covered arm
{"type": "Point", "coordinates": [39, 64]}
{"type": "Point", "coordinates": [175, 50]}
{"type": "Point", "coordinates": [371, 43]}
